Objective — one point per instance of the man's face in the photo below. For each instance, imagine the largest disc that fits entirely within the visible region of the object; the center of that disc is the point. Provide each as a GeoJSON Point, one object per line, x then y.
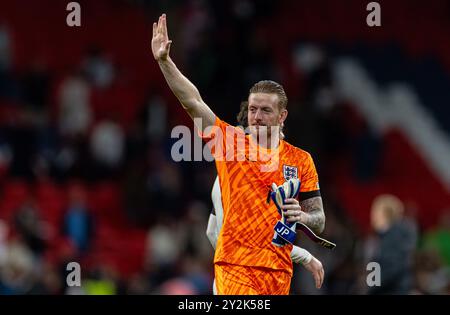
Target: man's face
{"type": "Point", "coordinates": [263, 110]}
{"type": "Point", "coordinates": [378, 218]}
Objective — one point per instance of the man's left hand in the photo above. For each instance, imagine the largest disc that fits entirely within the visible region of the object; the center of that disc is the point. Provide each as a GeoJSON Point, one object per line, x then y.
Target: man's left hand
{"type": "Point", "coordinates": [293, 211]}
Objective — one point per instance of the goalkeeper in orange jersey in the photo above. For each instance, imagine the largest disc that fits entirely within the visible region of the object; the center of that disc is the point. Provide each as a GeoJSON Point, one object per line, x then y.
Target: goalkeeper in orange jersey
{"type": "Point", "coordinates": [246, 260]}
{"type": "Point", "coordinates": [298, 255]}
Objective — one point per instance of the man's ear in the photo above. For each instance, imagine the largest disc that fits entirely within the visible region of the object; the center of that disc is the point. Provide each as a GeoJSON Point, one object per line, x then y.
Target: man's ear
{"type": "Point", "coordinates": [283, 116]}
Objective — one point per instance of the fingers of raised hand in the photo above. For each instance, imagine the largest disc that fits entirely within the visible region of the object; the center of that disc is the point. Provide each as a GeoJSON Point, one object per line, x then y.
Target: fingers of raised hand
{"type": "Point", "coordinates": [164, 26]}
{"type": "Point", "coordinates": [155, 27]}
{"type": "Point", "coordinates": [160, 25]}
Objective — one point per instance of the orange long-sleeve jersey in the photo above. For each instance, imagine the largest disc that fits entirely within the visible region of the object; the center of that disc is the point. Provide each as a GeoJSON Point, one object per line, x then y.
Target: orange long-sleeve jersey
{"type": "Point", "coordinates": [248, 219]}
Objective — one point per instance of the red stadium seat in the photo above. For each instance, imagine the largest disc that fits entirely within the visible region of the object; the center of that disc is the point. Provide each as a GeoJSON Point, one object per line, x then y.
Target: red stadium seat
{"type": "Point", "coordinates": [15, 193]}
{"type": "Point", "coordinates": [52, 202]}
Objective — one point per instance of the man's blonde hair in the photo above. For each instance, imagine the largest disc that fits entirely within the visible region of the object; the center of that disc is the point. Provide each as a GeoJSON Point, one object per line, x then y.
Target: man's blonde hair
{"type": "Point", "coordinates": [271, 87]}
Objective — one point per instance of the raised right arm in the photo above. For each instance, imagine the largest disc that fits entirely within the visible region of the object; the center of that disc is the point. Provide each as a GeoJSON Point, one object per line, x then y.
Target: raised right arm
{"type": "Point", "coordinates": [184, 90]}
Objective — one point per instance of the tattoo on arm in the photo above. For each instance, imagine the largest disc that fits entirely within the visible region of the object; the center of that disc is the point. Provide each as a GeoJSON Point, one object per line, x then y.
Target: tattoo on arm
{"type": "Point", "coordinates": [316, 216]}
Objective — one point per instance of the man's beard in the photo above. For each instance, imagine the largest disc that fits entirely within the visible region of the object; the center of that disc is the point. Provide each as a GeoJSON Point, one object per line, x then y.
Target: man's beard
{"type": "Point", "coordinates": [263, 129]}
{"type": "Point", "coordinates": [263, 133]}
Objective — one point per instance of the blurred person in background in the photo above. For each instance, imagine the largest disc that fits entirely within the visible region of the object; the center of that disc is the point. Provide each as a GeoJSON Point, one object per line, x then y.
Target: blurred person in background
{"type": "Point", "coordinates": [98, 68]}
{"type": "Point", "coordinates": [17, 269]}
{"type": "Point", "coordinates": [191, 258]}
{"type": "Point", "coordinates": [438, 239]}
{"type": "Point", "coordinates": [31, 228]}
{"type": "Point", "coordinates": [393, 247]}
{"type": "Point", "coordinates": [74, 105]}
{"type": "Point", "coordinates": [78, 222]}
{"type": "Point", "coordinates": [432, 270]}
{"type": "Point", "coordinates": [4, 231]}
{"type": "Point", "coordinates": [101, 280]}
{"type": "Point", "coordinates": [431, 275]}
{"type": "Point", "coordinates": [107, 147]}
{"type": "Point", "coordinates": [163, 250]}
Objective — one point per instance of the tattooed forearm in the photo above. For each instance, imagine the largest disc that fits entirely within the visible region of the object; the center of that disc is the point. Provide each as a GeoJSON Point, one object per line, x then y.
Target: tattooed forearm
{"type": "Point", "coordinates": [315, 218]}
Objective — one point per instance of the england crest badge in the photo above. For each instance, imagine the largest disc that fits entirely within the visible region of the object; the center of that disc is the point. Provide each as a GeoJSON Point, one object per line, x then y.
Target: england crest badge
{"type": "Point", "coordinates": [290, 172]}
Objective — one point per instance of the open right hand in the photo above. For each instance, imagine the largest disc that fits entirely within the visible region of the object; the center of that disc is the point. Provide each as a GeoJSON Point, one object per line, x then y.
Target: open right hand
{"type": "Point", "coordinates": [160, 40]}
{"type": "Point", "coordinates": [316, 269]}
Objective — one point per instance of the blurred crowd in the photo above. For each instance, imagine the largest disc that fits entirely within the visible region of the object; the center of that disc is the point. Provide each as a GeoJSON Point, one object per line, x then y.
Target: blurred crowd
{"type": "Point", "coordinates": [86, 173]}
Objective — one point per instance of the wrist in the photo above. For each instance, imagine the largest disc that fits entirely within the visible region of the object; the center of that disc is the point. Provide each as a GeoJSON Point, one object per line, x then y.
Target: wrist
{"type": "Point", "coordinates": [163, 61]}
{"type": "Point", "coordinates": [300, 255]}
{"type": "Point", "coordinates": [304, 218]}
